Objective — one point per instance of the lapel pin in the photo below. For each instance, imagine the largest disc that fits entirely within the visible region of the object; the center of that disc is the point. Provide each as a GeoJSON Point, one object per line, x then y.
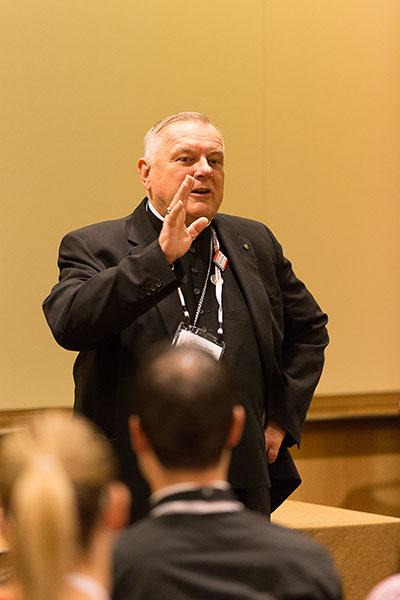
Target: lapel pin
{"type": "Point", "coordinates": [246, 246]}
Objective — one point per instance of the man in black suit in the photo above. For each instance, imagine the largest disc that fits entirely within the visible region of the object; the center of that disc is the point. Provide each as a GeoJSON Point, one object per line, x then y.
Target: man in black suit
{"type": "Point", "coordinates": [129, 283]}
{"type": "Point", "coordinates": [199, 541]}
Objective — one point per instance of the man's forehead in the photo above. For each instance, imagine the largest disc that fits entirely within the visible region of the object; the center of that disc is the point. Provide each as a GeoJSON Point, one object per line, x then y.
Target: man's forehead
{"type": "Point", "coordinates": [188, 133]}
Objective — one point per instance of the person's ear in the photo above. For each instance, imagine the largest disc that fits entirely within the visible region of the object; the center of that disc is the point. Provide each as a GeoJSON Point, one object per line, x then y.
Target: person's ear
{"type": "Point", "coordinates": [138, 438]}
{"type": "Point", "coordinates": [237, 426]}
{"type": "Point", "coordinates": [144, 172]}
{"type": "Point", "coordinates": [4, 527]}
{"type": "Point", "coordinates": [116, 505]}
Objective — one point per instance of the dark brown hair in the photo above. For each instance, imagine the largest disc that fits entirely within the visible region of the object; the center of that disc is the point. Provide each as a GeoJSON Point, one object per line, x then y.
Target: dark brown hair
{"type": "Point", "coordinates": [184, 399]}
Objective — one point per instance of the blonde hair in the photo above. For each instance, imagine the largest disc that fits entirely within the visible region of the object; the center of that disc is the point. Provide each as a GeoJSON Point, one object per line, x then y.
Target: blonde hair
{"type": "Point", "coordinates": [53, 473]}
{"type": "Point", "coordinates": [152, 137]}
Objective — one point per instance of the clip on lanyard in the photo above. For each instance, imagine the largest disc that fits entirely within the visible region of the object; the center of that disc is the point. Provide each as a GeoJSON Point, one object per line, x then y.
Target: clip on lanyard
{"type": "Point", "coordinates": [220, 262]}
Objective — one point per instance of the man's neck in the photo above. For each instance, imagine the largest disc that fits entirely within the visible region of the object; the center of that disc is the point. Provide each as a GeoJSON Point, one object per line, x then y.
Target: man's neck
{"type": "Point", "coordinates": [196, 478]}
{"type": "Point", "coordinates": [159, 477]}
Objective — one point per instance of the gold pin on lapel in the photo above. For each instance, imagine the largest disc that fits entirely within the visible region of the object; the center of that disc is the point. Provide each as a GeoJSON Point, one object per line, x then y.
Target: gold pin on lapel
{"type": "Point", "coordinates": [246, 246]}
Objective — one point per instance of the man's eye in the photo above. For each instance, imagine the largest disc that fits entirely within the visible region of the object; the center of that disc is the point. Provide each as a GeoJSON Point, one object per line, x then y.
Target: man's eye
{"type": "Point", "coordinates": [184, 159]}
{"type": "Point", "coordinates": [216, 162]}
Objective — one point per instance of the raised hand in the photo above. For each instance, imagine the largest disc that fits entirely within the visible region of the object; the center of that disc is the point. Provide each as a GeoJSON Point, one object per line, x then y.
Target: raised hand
{"type": "Point", "coordinates": [175, 237]}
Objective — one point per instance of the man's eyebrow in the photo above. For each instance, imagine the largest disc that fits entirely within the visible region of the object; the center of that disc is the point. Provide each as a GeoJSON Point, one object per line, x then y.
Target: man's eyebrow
{"type": "Point", "coordinates": [182, 148]}
{"type": "Point", "coordinates": [187, 149]}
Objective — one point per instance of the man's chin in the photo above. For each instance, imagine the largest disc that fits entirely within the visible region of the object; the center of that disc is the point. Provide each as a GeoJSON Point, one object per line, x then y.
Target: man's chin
{"type": "Point", "coordinates": [197, 214]}
{"type": "Point", "coordinates": [200, 210]}
{"type": "Point", "coordinates": [192, 219]}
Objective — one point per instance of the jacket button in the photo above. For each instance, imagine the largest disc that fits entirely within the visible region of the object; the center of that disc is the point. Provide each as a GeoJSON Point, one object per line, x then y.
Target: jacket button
{"type": "Point", "coordinates": [197, 291]}
{"type": "Point", "coordinates": [158, 283]}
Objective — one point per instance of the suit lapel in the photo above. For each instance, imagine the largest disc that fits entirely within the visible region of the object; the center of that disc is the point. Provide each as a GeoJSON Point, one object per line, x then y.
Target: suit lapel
{"type": "Point", "coordinates": [140, 229]}
{"type": "Point", "coordinates": [168, 310]}
{"type": "Point", "coordinates": [142, 233]}
{"type": "Point", "coordinates": [244, 264]}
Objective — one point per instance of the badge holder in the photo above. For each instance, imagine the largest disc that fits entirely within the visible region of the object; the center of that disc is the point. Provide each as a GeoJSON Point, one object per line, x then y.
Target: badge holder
{"type": "Point", "coordinates": [189, 335]}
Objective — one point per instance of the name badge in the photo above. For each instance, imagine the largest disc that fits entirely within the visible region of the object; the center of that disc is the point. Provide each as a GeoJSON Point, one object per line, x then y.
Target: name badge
{"type": "Point", "coordinates": [194, 336]}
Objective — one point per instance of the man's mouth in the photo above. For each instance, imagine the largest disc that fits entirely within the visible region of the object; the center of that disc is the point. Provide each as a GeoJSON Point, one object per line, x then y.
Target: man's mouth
{"type": "Point", "coordinates": [201, 191]}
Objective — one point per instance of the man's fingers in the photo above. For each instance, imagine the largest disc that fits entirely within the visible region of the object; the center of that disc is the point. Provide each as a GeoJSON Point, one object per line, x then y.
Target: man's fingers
{"type": "Point", "coordinates": [197, 227]}
{"type": "Point", "coordinates": [272, 453]}
{"type": "Point", "coordinates": [174, 212]}
{"type": "Point", "coordinates": [183, 191]}
{"type": "Point", "coordinates": [274, 434]}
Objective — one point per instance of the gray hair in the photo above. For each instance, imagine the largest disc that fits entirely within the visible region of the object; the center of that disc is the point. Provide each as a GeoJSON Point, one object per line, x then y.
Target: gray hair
{"type": "Point", "coordinates": [151, 140]}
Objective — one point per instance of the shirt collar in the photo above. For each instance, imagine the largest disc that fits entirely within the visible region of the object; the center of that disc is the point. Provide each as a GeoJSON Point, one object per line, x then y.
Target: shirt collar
{"type": "Point", "coordinates": [154, 211]}
{"type": "Point", "coordinates": [186, 487]}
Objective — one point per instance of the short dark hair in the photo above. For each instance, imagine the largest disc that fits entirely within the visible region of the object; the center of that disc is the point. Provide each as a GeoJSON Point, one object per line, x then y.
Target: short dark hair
{"type": "Point", "coordinates": [184, 399]}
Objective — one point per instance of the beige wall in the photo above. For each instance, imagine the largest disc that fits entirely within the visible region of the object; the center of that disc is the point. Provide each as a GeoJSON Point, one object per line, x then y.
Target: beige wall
{"type": "Point", "coordinates": [307, 95]}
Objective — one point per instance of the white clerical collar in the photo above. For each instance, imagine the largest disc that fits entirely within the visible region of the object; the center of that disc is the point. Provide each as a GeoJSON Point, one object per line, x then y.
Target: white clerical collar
{"type": "Point", "coordinates": [187, 486]}
{"type": "Point", "coordinates": [154, 211]}
{"type": "Point", "coordinates": [157, 214]}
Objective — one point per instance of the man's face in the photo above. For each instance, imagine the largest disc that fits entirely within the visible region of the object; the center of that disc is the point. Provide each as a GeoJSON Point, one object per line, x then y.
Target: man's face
{"type": "Point", "coordinates": [186, 148]}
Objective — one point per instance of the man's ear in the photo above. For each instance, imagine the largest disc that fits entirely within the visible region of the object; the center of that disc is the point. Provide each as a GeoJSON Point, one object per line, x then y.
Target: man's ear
{"type": "Point", "coordinates": [237, 426]}
{"type": "Point", "coordinates": [138, 437]}
{"type": "Point", "coordinates": [115, 508]}
{"type": "Point", "coordinates": [144, 172]}
{"type": "Point", "coordinates": [4, 527]}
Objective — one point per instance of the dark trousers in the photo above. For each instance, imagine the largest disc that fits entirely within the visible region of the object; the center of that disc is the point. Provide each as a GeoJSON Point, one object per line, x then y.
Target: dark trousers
{"type": "Point", "coordinates": [256, 498]}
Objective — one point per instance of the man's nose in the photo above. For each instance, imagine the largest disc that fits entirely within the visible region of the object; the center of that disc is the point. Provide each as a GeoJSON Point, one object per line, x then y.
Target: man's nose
{"type": "Point", "coordinates": [202, 168]}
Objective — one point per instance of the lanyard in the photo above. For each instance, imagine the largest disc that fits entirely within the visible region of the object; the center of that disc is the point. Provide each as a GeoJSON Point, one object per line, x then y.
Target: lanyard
{"type": "Point", "coordinates": [219, 265]}
{"type": "Point", "coordinates": [218, 280]}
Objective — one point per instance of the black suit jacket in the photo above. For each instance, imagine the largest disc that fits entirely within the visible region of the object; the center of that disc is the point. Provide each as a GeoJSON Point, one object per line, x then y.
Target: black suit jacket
{"type": "Point", "coordinates": [219, 555]}
{"type": "Point", "coordinates": [117, 296]}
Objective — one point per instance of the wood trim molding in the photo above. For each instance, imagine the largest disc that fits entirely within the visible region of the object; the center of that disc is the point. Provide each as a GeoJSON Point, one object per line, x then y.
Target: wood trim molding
{"type": "Point", "coordinates": [323, 408]}
{"type": "Point", "coordinates": [13, 419]}
{"type": "Point", "coordinates": [350, 406]}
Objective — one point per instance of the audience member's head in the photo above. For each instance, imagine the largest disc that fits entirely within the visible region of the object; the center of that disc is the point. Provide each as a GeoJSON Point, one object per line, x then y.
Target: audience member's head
{"type": "Point", "coordinates": [387, 589]}
{"type": "Point", "coordinates": [187, 410]}
{"type": "Point", "coordinates": [199, 541]}
{"type": "Point", "coordinates": [59, 499]}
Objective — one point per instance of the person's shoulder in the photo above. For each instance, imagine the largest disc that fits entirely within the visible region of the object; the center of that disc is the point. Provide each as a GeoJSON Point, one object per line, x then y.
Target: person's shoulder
{"type": "Point", "coordinates": [139, 537]}
{"type": "Point", "coordinates": [244, 226]}
{"type": "Point", "coordinates": [237, 221]}
{"type": "Point", "coordinates": [293, 556]}
{"type": "Point", "coordinates": [259, 236]}
{"type": "Point", "coordinates": [101, 238]}
{"type": "Point", "coordinates": [286, 543]}
{"type": "Point", "coordinates": [111, 225]}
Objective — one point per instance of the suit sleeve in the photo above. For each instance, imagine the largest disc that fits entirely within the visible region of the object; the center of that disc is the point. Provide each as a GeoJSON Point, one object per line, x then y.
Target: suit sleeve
{"type": "Point", "coordinates": [299, 350]}
{"type": "Point", "coordinates": [97, 297]}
